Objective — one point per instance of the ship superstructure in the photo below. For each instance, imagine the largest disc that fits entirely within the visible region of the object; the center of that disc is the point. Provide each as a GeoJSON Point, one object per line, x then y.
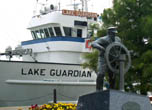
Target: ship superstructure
{"type": "Point", "coordinates": [59, 36]}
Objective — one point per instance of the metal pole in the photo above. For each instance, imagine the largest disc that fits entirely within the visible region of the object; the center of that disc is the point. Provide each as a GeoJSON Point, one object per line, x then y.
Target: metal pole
{"type": "Point", "coordinates": [122, 64]}
{"type": "Point", "coordinates": [54, 96]}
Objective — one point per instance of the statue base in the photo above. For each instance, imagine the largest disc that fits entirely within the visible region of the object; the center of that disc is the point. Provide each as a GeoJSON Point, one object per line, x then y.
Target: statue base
{"type": "Point", "coordinates": [113, 100]}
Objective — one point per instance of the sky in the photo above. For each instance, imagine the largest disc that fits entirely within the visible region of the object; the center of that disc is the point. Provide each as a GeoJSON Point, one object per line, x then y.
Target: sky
{"type": "Point", "coordinates": [16, 14]}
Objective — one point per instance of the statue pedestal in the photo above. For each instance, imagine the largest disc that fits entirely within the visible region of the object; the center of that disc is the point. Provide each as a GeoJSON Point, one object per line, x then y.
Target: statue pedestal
{"type": "Point", "coordinates": [113, 100]}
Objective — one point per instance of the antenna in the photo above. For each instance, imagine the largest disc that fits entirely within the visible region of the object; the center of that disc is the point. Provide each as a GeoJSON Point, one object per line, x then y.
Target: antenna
{"type": "Point", "coordinates": [59, 5]}
{"type": "Point", "coordinates": [84, 5]}
{"type": "Point", "coordinates": [74, 5]}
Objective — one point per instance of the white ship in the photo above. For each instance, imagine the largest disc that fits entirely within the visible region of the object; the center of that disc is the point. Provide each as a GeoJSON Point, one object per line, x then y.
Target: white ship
{"type": "Point", "coordinates": [51, 60]}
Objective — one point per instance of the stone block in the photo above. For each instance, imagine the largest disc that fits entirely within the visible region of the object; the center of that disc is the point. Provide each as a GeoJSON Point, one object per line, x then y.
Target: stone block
{"type": "Point", "coordinates": [113, 100]}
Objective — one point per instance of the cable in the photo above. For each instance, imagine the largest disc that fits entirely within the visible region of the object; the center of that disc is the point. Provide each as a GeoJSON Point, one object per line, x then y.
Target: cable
{"type": "Point", "coordinates": [66, 96]}
{"type": "Point", "coordinates": [36, 98]}
{"type": "Point", "coordinates": [30, 99]}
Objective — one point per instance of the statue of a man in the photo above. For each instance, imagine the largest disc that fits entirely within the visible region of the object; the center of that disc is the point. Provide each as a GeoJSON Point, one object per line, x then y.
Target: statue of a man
{"type": "Point", "coordinates": [101, 44]}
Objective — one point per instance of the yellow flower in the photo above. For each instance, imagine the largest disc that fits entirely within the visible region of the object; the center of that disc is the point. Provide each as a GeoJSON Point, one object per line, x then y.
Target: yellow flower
{"type": "Point", "coordinates": [48, 106]}
{"type": "Point", "coordinates": [30, 108]}
{"type": "Point", "coordinates": [58, 106]}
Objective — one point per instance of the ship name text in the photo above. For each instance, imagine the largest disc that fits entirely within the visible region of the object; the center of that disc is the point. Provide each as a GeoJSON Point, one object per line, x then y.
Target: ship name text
{"type": "Point", "coordinates": [56, 72]}
{"type": "Point", "coordinates": [79, 13]}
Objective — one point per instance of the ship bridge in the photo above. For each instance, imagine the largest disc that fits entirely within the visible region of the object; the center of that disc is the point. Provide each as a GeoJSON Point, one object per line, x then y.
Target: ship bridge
{"type": "Point", "coordinates": [59, 36]}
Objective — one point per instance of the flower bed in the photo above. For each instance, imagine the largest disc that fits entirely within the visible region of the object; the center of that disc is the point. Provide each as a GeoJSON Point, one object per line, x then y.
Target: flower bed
{"type": "Point", "coordinates": [54, 106]}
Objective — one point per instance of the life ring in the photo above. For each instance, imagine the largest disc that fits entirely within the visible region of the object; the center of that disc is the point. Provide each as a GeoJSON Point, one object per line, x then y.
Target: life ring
{"type": "Point", "coordinates": [88, 44]}
{"type": "Point", "coordinates": [150, 98]}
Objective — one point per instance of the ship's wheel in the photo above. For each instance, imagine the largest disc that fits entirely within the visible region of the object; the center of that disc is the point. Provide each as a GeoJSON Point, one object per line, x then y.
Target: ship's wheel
{"type": "Point", "coordinates": [112, 56]}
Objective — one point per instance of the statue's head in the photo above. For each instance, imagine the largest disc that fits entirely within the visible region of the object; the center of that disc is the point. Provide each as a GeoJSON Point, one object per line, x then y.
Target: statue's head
{"type": "Point", "coordinates": [112, 32]}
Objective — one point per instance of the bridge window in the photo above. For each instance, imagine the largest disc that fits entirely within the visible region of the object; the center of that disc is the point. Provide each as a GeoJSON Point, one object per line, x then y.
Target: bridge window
{"type": "Point", "coordinates": [58, 31]}
{"type": "Point", "coordinates": [79, 32]}
{"type": "Point", "coordinates": [51, 31]}
{"type": "Point", "coordinates": [37, 32]}
{"type": "Point", "coordinates": [74, 32]}
{"type": "Point", "coordinates": [46, 32]}
{"type": "Point", "coordinates": [42, 33]}
{"type": "Point", "coordinates": [33, 35]}
{"type": "Point", "coordinates": [67, 31]}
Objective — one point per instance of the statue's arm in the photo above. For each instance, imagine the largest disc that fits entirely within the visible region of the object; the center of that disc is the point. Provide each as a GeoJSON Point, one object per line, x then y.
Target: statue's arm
{"type": "Point", "coordinates": [97, 45]}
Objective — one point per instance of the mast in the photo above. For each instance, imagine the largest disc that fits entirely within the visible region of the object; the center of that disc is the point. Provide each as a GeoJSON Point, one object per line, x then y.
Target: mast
{"type": "Point", "coordinates": [84, 5]}
{"type": "Point", "coordinates": [59, 5]}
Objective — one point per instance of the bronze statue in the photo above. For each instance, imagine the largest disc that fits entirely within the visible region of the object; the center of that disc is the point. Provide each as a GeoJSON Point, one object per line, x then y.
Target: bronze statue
{"type": "Point", "coordinates": [101, 44]}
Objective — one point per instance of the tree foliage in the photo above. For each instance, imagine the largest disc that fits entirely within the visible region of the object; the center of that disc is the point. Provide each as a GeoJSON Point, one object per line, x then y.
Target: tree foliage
{"type": "Point", "coordinates": [133, 19]}
{"type": "Point", "coordinates": [92, 59]}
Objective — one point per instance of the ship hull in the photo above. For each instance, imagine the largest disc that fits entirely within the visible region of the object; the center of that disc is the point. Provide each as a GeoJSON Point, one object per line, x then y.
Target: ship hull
{"type": "Point", "coordinates": [26, 83]}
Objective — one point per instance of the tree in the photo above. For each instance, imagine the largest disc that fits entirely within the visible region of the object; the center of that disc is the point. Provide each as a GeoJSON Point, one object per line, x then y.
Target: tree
{"type": "Point", "coordinates": [134, 20]}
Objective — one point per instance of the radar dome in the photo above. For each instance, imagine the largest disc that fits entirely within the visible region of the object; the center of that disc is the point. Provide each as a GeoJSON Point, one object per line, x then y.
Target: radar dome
{"type": "Point", "coordinates": [49, 8]}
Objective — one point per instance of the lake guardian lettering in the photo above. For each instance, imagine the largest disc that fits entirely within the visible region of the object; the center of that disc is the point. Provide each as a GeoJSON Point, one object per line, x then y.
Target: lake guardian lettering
{"type": "Point", "coordinates": [68, 73]}
{"type": "Point", "coordinates": [38, 72]}
{"type": "Point", "coordinates": [56, 72]}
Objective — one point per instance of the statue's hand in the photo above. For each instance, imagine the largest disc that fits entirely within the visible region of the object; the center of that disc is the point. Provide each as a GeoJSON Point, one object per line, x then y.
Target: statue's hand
{"type": "Point", "coordinates": [98, 46]}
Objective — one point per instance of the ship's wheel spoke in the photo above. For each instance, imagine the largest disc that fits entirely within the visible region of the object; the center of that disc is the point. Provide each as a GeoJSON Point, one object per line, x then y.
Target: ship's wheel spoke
{"type": "Point", "coordinates": [112, 55]}
{"type": "Point", "coordinates": [119, 52]}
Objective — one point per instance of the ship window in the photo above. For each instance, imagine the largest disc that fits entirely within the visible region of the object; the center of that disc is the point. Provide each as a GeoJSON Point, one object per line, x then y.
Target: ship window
{"type": "Point", "coordinates": [80, 23]}
{"type": "Point", "coordinates": [42, 33]}
{"type": "Point", "coordinates": [67, 31]}
{"type": "Point", "coordinates": [51, 31]}
{"type": "Point", "coordinates": [74, 32]}
{"type": "Point", "coordinates": [58, 31]}
{"type": "Point", "coordinates": [46, 32]}
{"type": "Point", "coordinates": [79, 32]}
{"type": "Point", "coordinates": [38, 34]}
{"type": "Point", "coordinates": [33, 34]}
